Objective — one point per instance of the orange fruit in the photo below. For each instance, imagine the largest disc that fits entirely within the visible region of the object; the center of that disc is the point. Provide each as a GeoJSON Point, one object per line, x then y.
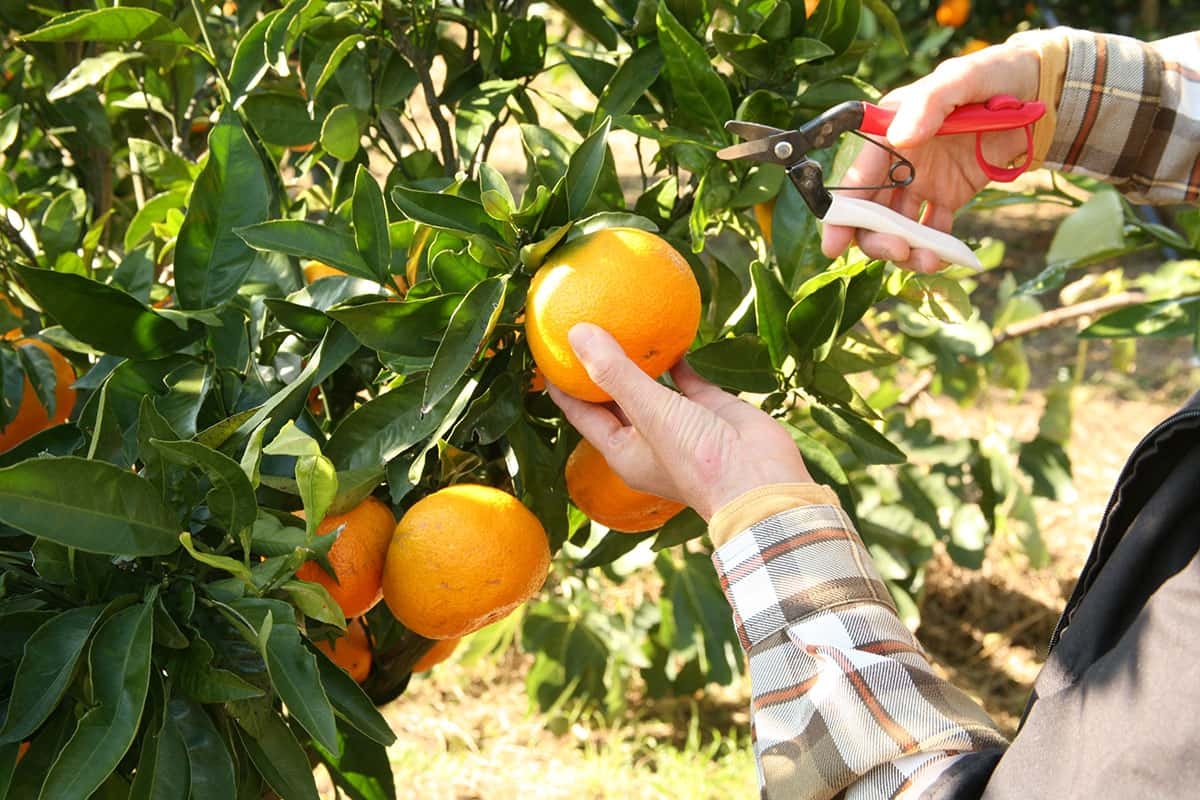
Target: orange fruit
{"type": "Point", "coordinates": [810, 7]}
{"type": "Point", "coordinates": [31, 415]}
{"type": "Point", "coordinates": [302, 148]}
{"type": "Point", "coordinates": [21, 751]}
{"type": "Point", "coordinates": [462, 558]}
{"type": "Point", "coordinates": [605, 497]}
{"type": "Point", "coordinates": [436, 654]}
{"type": "Point", "coordinates": [629, 282]}
{"type": "Point", "coordinates": [764, 215]}
{"type": "Point", "coordinates": [315, 270]}
{"type": "Point", "coordinates": [351, 652]}
{"type": "Point", "coordinates": [974, 45]}
{"type": "Point", "coordinates": [357, 556]}
{"type": "Point", "coordinates": [953, 13]}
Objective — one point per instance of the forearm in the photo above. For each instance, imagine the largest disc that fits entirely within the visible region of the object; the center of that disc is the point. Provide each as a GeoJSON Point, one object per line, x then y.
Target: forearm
{"type": "Point", "coordinates": [1123, 111]}
{"type": "Point", "coordinates": [843, 696]}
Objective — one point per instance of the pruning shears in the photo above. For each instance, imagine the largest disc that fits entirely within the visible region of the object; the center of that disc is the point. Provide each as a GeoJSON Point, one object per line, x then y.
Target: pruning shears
{"type": "Point", "coordinates": [790, 149]}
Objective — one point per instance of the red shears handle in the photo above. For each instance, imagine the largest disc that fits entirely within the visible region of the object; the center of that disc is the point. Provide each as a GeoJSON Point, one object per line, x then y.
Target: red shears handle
{"type": "Point", "coordinates": [1000, 113]}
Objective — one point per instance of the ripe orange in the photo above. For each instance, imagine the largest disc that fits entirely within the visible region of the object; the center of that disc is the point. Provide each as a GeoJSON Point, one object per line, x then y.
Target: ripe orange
{"type": "Point", "coordinates": [436, 654]}
{"type": "Point", "coordinates": [600, 493]}
{"type": "Point", "coordinates": [974, 45]}
{"type": "Point", "coordinates": [21, 751]}
{"type": "Point", "coordinates": [31, 415]}
{"type": "Point", "coordinates": [315, 270]}
{"type": "Point", "coordinates": [629, 282]}
{"type": "Point", "coordinates": [953, 13]}
{"type": "Point", "coordinates": [462, 558]}
{"type": "Point", "coordinates": [357, 556]}
{"type": "Point", "coordinates": [351, 652]}
{"type": "Point", "coordinates": [764, 215]}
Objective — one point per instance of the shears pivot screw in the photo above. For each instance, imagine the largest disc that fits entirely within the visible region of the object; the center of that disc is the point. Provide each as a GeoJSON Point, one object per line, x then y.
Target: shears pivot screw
{"type": "Point", "coordinates": [783, 150]}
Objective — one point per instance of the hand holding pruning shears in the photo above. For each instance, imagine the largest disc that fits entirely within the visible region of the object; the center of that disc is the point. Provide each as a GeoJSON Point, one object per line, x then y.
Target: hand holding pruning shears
{"type": "Point", "coordinates": [951, 137]}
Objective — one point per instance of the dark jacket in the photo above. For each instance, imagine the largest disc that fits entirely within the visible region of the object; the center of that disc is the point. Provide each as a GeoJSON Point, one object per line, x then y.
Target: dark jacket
{"type": "Point", "coordinates": [1115, 711]}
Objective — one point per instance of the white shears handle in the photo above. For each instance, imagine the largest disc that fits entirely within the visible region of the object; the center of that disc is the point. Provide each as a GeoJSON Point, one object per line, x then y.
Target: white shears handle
{"type": "Point", "coordinates": [857, 213]}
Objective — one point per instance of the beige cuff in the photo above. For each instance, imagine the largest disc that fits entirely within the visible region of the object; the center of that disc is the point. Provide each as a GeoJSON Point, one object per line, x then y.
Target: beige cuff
{"type": "Point", "coordinates": [757, 504]}
{"type": "Point", "coordinates": [1052, 47]}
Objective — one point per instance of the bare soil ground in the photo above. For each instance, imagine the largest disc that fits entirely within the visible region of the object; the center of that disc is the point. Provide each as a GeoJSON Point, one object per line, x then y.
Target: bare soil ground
{"type": "Point", "coordinates": [467, 732]}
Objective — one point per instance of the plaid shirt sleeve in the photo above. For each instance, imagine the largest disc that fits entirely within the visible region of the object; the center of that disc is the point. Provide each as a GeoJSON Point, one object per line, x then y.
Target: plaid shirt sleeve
{"type": "Point", "coordinates": [1129, 114]}
{"type": "Point", "coordinates": [844, 701]}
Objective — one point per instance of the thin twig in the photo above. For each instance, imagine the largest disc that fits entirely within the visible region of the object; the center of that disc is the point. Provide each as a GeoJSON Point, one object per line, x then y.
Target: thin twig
{"type": "Point", "coordinates": [416, 59]}
{"type": "Point", "coordinates": [14, 237]}
{"type": "Point", "coordinates": [1058, 316]}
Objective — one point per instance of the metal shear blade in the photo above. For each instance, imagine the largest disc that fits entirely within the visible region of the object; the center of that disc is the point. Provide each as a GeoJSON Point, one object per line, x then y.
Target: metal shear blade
{"type": "Point", "coordinates": [763, 143]}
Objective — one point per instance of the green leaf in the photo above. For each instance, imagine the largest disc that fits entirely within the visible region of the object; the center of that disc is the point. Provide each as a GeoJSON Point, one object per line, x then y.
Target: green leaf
{"type": "Point", "coordinates": [614, 545]}
{"type": "Point", "coordinates": [341, 133]}
{"type": "Point", "coordinates": [309, 240]}
{"type": "Point", "coordinates": [870, 445]}
{"type": "Point", "coordinates": [274, 751]}
{"type": "Point", "coordinates": [10, 128]}
{"type": "Point", "coordinates": [411, 327]}
{"type": "Point", "coordinates": [702, 101]}
{"type": "Point", "coordinates": [583, 171]}
{"type": "Point", "coordinates": [295, 677]}
{"type": "Point", "coordinates": [233, 191]}
{"type": "Point", "coordinates": [89, 72]}
{"type": "Point", "coordinates": [249, 65]}
{"type": "Point", "coordinates": [887, 18]}
{"type": "Point", "coordinates": [381, 429]}
{"type": "Point", "coordinates": [470, 325]}
{"type": "Point", "coordinates": [126, 328]}
{"type": "Point", "coordinates": [820, 459]}
{"type": "Point", "coordinates": [1093, 232]}
{"type": "Point", "coordinates": [313, 600]}
{"type": "Point", "coordinates": [371, 233]}
{"type": "Point", "coordinates": [324, 67]}
{"type": "Point", "coordinates": [679, 529]}
{"type": "Point", "coordinates": [589, 16]}
{"type": "Point", "coordinates": [1161, 319]}
{"type": "Point", "coordinates": [119, 25]}
{"type": "Point", "coordinates": [51, 653]}
{"type": "Point", "coordinates": [741, 363]}
{"type": "Point", "coordinates": [231, 565]}
{"type": "Point", "coordinates": [446, 211]}
{"type": "Point", "coordinates": [361, 769]}
{"type": "Point", "coordinates": [1049, 466]}
{"type": "Point", "coordinates": [162, 769]}
{"type": "Point", "coordinates": [860, 295]}
{"type": "Point", "coordinates": [231, 499]}
{"type": "Point", "coordinates": [204, 682]}
{"type": "Point", "coordinates": [92, 505]}
{"type": "Point", "coordinates": [210, 764]}
{"type": "Point", "coordinates": [771, 305]}
{"type": "Point", "coordinates": [119, 665]}
{"type": "Point", "coordinates": [351, 703]}
{"type": "Point", "coordinates": [837, 22]}
{"type": "Point", "coordinates": [969, 536]}
{"type": "Point", "coordinates": [814, 320]}
{"type": "Point", "coordinates": [635, 75]}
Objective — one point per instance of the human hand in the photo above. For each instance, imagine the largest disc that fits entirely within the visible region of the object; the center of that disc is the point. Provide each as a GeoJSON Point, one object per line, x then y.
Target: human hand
{"type": "Point", "coordinates": [947, 173]}
{"type": "Point", "coordinates": [701, 446]}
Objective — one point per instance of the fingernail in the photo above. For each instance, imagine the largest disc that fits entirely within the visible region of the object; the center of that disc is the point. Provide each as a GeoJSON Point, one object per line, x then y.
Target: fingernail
{"type": "Point", "coordinates": [581, 337]}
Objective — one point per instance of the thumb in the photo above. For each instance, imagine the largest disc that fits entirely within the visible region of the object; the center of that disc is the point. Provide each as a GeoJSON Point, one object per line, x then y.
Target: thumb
{"type": "Point", "coordinates": [643, 399]}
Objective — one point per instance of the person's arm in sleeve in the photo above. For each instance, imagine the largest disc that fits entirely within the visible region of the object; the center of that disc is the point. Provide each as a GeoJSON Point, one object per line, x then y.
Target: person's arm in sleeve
{"type": "Point", "coordinates": [844, 699]}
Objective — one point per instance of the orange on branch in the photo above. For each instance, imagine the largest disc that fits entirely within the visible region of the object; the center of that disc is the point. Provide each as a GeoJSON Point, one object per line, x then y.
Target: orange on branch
{"type": "Point", "coordinates": [974, 45]}
{"type": "Point", "coordinates": [462, 558]}
{"type": "Point", "coordinates": [764, 215]}
{"type": "Point", "coordinates": [31, 415]}
{"type": "Point", "coordinates": [605, 497]}
{"type": "Point", "coordinates": [315, 270]}
{"type": "Point", "coordinates": [440, 651]}
{"type": "Point", "coordinates": [351, 652]}
{"type": "Point", "coordinates": [953, 13]}
{"type": "Point", "coordinates": [357, 556]}
{"type": "Point", "coordinates": [628, 281]}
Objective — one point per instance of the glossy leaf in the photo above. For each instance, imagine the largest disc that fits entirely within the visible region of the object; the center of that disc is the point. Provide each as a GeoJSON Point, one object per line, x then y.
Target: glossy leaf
{"type": "Point", "coordinates": [381, 429]}
{"type": "Point", "coordinates": [469, 326]}
{"type": "Point", "coordinates": [702, 101]}
{"type": "Point", "coordinates": [232, 192]}
{"type": "Point", "coordinates": [445, 211]}
{"type": "Point", "coordinates": [341, 133]}
{"type": "Point", "coordinates": [1166, 319]}
{"type": "Point", "coordinates": [371, 225]}
{"type": "Point", "coordinates": [862, 437]}
{"type": "Point", "coordinates": [588, 16]}
{"type": "Point", "coordinates": [634, 76]}
{"type": "Point", "coordinates": [51, 653]}
{"type": "Point", "coordinates": [771, 305]}
{"type": "Point", "coordinates": [89, 72]}
{"type": "Point", "coordinates": [361, 768]}
{"type": "Point", "coordinates": [119, 664]}
{"type": "Point", "coordinates": [211, 771]}
{"type": "Point", "coordinates": [295, 677]}
{"type": "Point", "coordinates": [91, 505]}
{"type": "Point", "coordinates": [614, 545]}
{"type": "Point", "coordinates": [351, 703]}
{"type": "Point", "coordinates": [162, 770]}
{"type": "Point", "coordinates": [741, 363]}
{"type": "Point", "coordinates": [814, 320]}
{"type": "Point", "coordinates": [275, 752]}
{"type": "Point", "coordinates": [583, 171]}
{"type": "Point", "coordinates": [118, 25]}
{"type": "Point", "coordinates": [411, 327]}
{"type": "Point", "coordinates": [325, 66]}
{"type": "Point", "coordinates": [231, 499]}
{"type": "Point", "coordinates": [308, 240]}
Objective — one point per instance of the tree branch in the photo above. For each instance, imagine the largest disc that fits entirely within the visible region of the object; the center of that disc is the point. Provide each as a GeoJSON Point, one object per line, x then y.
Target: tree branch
{"type": "Point", "coordinates": [1059, 316]}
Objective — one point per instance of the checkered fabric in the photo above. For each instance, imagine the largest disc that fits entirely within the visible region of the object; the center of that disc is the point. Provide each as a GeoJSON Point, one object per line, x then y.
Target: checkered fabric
{"type": "Point", "coordinates": [1130, 115]}
{"type": "Point", "coordinates": [844, 699]}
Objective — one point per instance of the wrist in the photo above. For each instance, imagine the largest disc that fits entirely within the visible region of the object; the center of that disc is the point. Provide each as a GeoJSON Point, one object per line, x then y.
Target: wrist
{"type": "Point", "coordinates": [755, 505]}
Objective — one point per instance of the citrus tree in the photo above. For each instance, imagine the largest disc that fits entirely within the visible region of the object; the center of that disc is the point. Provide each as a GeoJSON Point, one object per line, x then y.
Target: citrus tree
{"type": "Point", "coordinates": [269, 272]}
